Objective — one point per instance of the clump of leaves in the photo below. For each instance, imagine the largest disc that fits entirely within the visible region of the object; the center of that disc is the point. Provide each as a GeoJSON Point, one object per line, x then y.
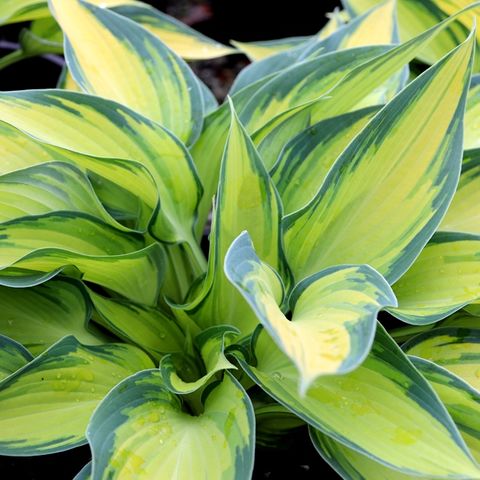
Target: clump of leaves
{"type": "Point", "coordinates": [343, 186]}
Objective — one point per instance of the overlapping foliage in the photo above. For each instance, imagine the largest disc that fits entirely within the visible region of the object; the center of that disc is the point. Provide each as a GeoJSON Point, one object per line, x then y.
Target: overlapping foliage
{"type": "Point", "coordinates": [345, 195]}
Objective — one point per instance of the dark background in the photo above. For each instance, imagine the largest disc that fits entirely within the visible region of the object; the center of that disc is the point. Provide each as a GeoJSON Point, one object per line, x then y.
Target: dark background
{"type": "Point", "coordinates": [222, 20]}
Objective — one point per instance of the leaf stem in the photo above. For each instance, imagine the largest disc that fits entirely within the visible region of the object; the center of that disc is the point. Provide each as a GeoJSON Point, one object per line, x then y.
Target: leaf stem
{"type": "Point", "coordinates": [12, 58]}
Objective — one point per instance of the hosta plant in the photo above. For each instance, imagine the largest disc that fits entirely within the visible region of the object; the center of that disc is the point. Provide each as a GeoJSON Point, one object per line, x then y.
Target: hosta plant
{"type": "Point", "coordinates": [339, 182]}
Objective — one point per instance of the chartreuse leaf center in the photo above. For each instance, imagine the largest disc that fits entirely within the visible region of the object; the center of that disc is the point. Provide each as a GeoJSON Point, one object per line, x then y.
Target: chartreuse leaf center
{"type": "Point", "coordinates": [334, 312]}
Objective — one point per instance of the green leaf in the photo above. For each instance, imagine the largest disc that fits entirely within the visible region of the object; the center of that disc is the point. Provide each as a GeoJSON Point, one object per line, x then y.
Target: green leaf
{"type": "Point", "coordinates": [38, 317]}
{"type": "Point", "coordinates": [415, 17]}
{"type": "Point", "coordinates": [85, 473]}
{"type": "Point", "coordinates": [48, 29]}
{"type": "Point", "coordinates": [266, 68]}
{"type": "Point", "coordinates": [125, 187]}
{"type": "Point", "coordinates": [377, 26]}
{"type": "Point", "coordinates": [246, 200]}
{"type": "Point", "coordinates": [183, 40]}
{"type": "Point", "coordinates": [141, 430]}
{"type": "Point", "coordinates": [303, 82]}
{"type": "Point", "coordinates": [383, 168]}
{"type": "Point", "coordinates": [370, 83]}
{"type": "Point", "coordinates": [473, 309]}
{"type": "Point", "coordinates": [211, 344]}
{"type": "Point", "coordinates": [384, 409]}
{"type": "Point", "coordinates": [461, 319]}
{"type": "Point", "coordinates": [66, 82]}
{"type": "Point", "coordinates": [462, 401]}
{"type": "Point", "coordinates": [209, 148]}
{"type": "Point", "coordinates": [462, 214]}
{"type": "Point", "coordinates": [45, 406]}
{"type": "Point", "coordinates": [115, 58]}
{"type": "Point", "coordinates": [49, 187]}
{"type": "Point", "coordinates": [210, 103]}
{"type": "Point", "coordinates": [142, 325]}
{"type": "Point", "coordinates": [273, 424]}
{"type": "Point", "coordinates": [334, 312]}
{"type": "Point", "coordinates": [306, 159]}
{"type": "Point", "coordinates": [472, 125]}
{"type": "Point", "coordinates": [12, 11]}
{"type": "Point", "coordinates": [455, 349]}
{"type": "Point", "coordinates": [13, 356]}
{"type": "Point", "coordinates": [72, 231]}
{"type": "Point", "coordinates": [275, 93]}
{"type": "Point", "coordinates": [115, 260]}
{"type": "Point", "coordinates": [360, 87]}
{"type": "Point", "coordinates": [443, 279]}
{"type": "Point", "coordinates": [259, 50]}
{"type": "Point", "coordinates": [352, 465]}
{"type": "Point", "coordinates": [32, 44]}
{"type": "Point", "coordinates": [102, 128]}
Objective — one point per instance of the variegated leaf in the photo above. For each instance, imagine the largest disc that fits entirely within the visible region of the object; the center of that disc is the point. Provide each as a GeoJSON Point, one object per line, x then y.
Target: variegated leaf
{"type": "Point", "coordinates": [125, 187]}
{"type": "Point", "coordinates": [146, 326]}
{"type": "Point", "coordinates": [472, 114]}
{"type": "Point", "coordinates": [265, 48]}
{"type": "Point", "coordinates": [306, 159]}
{"type": "Point", "coordinates": [102, 47]}
{"type": "Point", "coordinates": [384, 168]}
{"type": "Point", "coordinates": [415, 17]}
{"type": "Point", "coordinates": [37, 317]}
{"type": "Point", "coordinates": [384, 409]}
{"type": "Point", "coordinates": [12, 11]}
{"type": "Point", "coordinates": [140, 430]}
{"type": "Point", "coordinates": [463, 214]}
{"type": "Point", "coordinates": [102, 128]}
{"type": "Point", "coordinates": [246, 200]}
{"type": "Point", "coordinates": [462, 401]}
{"type": "Point", "coordinates": [49, 187]}
{"type": "Point", "coordinates": [211, 344]}
{"type": "Point", "coordinates": [334, 312]}
{"type": "Point", "coordinates": [46, 405]}
{"type": "Point", "coordinates": [377, 26]}
{"type": "Point", "coordinates": [102, 255]}
{"type": "Point", "coordinates": [183, 40]}
{"type": "Point", "coordinates": [13, 356]}
{"type": "Point", "coordinates": [456, 349]}
{"type": "Point", "coordinates": [444, 278]}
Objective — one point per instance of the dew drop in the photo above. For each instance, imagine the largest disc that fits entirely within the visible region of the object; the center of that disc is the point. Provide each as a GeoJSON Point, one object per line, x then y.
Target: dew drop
{"type": "Point", "coordinates": [277, 376]}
